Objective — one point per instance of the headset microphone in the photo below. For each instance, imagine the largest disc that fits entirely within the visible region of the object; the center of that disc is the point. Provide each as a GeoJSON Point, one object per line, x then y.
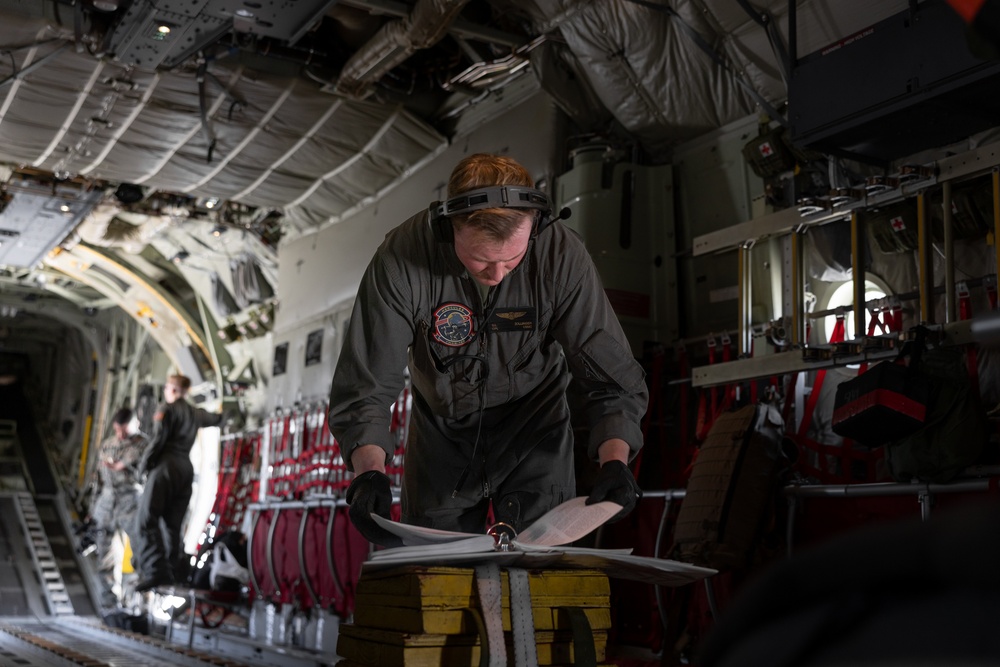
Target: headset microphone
{"type": "Point", "coordinates": [543, 223]}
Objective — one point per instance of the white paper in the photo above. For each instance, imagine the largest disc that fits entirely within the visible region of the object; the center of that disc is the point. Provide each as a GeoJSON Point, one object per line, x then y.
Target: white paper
{"type": "Point", "coordinates": [418, 535]}
{"type": "Point", "coordinates": [562, 524]}
{"type": "Point", "coordinates": [467, 544]}
{"type": "Point", "coordinates": [568, 522]}
{"type": "Point", "coordinates": [614, 563]}
{"type": "Point", "coordinates": [541, 545]}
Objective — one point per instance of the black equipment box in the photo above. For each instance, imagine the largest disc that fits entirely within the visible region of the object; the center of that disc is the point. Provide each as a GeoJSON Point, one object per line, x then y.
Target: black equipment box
{"type": "Point", "coordinates": [900, 86]}
{"type": "Point", "coordinates": [885, 403]}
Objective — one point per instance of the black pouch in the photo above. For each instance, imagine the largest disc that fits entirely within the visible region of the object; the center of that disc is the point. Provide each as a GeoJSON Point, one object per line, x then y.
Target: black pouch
{"type": "Point", "coordinates": [956, 431]}
{"type": "Point", "coordinates": [887, 402]}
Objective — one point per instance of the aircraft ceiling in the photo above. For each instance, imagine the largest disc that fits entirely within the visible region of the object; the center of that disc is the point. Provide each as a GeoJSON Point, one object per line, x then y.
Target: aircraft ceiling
{"type": "Point", "coordinates": [276, 117]}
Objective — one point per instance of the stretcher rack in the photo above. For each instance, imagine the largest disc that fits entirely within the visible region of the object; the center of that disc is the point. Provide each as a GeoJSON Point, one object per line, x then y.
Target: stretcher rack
{"type": "Point", "coordinates": [911, 182]}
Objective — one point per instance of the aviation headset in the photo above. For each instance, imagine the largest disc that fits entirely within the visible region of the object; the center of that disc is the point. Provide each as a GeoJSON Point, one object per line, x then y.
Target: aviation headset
{"type": "Point", "coordinates": [496, 196]}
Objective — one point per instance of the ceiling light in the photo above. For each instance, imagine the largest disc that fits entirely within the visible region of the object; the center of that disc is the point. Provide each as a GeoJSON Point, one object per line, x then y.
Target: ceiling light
{"type": "Point", "coordinates": [106, 5]}
{"type": "Point", "coordinates": [162, 32]}
{"type": "Point", "coordinates": [65, 208]}
{"type": "Point", "coordinates": [244, 13]}
{"type": "Point", "coordinates": [181, 255]}
{"type": "Point", "coordinates": [212, 202]}
{"type": "Point", "coordinates": [218, 230]}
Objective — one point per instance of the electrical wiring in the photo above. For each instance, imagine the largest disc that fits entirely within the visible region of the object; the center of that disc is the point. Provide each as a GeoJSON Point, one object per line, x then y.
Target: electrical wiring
{"type": "Point", "coordinates": [249, 284]}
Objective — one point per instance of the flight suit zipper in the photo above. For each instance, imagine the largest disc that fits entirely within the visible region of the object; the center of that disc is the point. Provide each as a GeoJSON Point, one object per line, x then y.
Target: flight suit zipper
{"type": "Point", "coordinates": [485, 310]}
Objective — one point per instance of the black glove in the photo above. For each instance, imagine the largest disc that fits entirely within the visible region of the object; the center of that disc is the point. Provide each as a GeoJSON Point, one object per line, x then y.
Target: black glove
{"type": "Point", "coordinates": [148, 462]}
{"type": "Point", "coordinates": [370, 493]}
{"type": "Point", "coordinates": [616, 483]}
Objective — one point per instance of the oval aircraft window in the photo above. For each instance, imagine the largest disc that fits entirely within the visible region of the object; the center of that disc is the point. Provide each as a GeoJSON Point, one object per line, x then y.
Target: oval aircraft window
{"type": "Point", "coordinates": [844, 296]}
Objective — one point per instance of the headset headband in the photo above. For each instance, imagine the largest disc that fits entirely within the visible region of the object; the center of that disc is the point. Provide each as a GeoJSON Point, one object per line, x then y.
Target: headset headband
{"type": "Point", "coordinates": [497, 196]}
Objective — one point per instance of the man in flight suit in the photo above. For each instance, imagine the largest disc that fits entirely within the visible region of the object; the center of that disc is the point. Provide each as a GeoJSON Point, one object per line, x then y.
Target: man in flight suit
{"type": "Point", "coordinates": [168, 486]}
{"type": "Point", "coordinates": [494, 307]}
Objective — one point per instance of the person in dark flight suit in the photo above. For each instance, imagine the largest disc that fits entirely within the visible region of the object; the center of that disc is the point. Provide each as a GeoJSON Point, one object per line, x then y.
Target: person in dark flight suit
{"type": "Point", "coordinates": [165, 499]}
{"type": "Point", "coordinates": [494, 307]}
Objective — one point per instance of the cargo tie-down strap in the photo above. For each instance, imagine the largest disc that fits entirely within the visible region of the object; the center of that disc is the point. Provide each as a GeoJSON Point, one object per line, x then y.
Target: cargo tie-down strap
{"type": "Point", "coordinates": [490, 589]}
{"type": "Point", "coordinates": [522, 624]}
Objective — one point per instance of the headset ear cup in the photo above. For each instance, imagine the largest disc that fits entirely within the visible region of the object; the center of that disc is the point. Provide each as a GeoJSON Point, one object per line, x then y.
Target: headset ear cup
{"type": "Point", "coordinates": [542, 221]}
{"type": "Point", "coordinates": [443, 230]}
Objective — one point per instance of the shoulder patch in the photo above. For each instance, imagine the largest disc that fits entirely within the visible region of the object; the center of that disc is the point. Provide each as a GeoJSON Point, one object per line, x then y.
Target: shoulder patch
{"type": "Point", "coordinates": [453, 325]}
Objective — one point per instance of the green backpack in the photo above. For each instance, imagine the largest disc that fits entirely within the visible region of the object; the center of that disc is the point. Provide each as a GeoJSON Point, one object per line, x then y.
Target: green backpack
{"type": "Point", "coordinates": [954, 433]}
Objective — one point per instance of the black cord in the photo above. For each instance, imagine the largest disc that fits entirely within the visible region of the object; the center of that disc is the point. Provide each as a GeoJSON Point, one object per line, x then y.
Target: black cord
{"type": "Point", "coordinates": [482, 388]}
{"type": "Point", "coordinates": [479, 424]}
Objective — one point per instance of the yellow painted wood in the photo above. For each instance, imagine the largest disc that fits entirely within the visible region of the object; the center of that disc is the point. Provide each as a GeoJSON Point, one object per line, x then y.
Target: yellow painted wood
{"type": "Point", "coordinates": [384, 648]}
{"type": "Point", "coordinates": [462, 602]}
{"type": "Point", "coordinates": [457, 621]}
{"type": "Point", "coordinates": [441, 583]}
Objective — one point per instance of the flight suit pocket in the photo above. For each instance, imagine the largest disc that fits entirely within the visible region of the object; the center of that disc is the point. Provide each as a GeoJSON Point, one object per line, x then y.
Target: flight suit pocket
{"type": "Point", "coordinates": [524, 370]}
{"type": "Point", "coordinates": [603, 359]}
{"type": "Point", "coordinates": [449, 383]}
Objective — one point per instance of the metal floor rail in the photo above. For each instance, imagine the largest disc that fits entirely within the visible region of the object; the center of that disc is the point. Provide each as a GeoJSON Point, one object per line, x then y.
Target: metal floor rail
{"type": "Point", "coordinates": [53, 586]}
{"type": "Point", "coordinates": [72, 641]}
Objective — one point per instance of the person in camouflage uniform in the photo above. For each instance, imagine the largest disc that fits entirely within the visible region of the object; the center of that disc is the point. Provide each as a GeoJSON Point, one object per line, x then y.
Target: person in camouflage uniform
{"type": "Point", "coordinates": [118, 499]}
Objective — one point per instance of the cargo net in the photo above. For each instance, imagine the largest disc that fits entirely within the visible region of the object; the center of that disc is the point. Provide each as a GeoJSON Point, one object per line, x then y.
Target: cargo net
{"type": "Point", "coordinates": [238, 486]}
{"type": "Point", "coordinates": [303, 549]}
{"type": "Point", "coordinates": [239, 480]}
{"type": "Point", "coordinates": [306, 459]}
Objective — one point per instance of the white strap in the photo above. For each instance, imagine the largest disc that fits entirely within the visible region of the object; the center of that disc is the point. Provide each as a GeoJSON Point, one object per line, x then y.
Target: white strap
{"type": "Point", "coordinates": [491, 600]}
{"type": "Point", "coordinates": [521, 620]}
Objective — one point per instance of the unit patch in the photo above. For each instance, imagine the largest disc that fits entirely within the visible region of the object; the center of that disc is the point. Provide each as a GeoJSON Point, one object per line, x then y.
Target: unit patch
{"type": "Point", "coordinates": [513, 319]}
{"type": "Point", "coordinates": [453, 325]}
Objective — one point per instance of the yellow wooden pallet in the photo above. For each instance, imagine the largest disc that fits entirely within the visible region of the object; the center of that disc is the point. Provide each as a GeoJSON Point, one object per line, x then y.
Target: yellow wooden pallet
{"type": "Point", "coordinates": [421, 587]}
{"type": "Point", "coordinates": [458, 621]}
{"type": "Point", "coordinates": [351, 663]}
{"type": "Point", "coordinates": [387, 648]}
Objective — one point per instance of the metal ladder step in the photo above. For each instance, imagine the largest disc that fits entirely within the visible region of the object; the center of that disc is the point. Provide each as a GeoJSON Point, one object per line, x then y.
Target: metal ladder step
{"type": "Point", "coordinates": [45, 562]}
